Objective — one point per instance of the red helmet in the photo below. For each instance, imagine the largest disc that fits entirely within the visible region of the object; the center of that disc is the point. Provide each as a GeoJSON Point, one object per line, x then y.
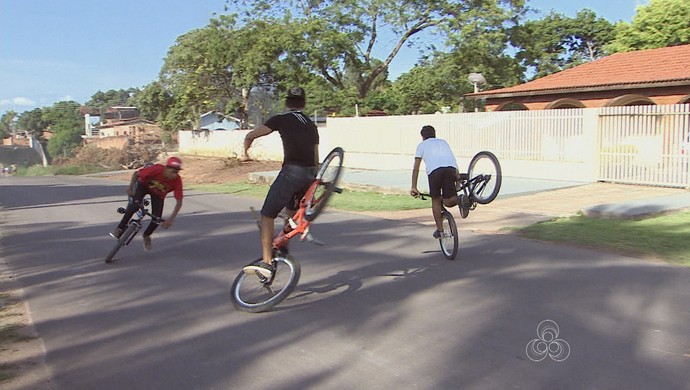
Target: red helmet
{"type": "Point", "coordinates": [174, 162]}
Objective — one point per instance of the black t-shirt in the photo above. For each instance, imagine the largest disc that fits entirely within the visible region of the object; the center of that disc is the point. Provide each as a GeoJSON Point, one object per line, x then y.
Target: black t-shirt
{"type": "Point", "coordinates": [299, 135]}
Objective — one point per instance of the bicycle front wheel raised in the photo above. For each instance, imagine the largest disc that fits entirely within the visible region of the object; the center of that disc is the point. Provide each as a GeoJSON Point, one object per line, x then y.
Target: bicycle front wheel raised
{"type": "Point", "coordinates": [484, 174]}
{"type": "Point", "coordinates": [449, 236]}
{"type": "Point", "coordinates": [325, 183]}
{"type": "Point", "coordinates": [255, 294]}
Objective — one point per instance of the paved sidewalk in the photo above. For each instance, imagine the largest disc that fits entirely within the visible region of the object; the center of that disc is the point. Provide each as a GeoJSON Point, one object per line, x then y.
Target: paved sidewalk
{"type": "Point", "coordinates": [523, 202]}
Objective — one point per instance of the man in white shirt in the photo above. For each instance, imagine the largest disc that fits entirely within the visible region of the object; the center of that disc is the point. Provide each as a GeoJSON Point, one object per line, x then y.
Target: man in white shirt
{"type": "Point", "coordinates": [442, 170]}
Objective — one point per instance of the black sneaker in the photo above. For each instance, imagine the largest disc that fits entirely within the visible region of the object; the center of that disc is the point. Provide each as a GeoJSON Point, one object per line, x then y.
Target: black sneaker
{"type": "Point", "coordinates": [115, 233]}
{"type": "Point", "coordinates": [464, 206]}
{"type": "Point", "coordinates": [437, 234]}
{"type": "Point", "coordinates": [259, 267]}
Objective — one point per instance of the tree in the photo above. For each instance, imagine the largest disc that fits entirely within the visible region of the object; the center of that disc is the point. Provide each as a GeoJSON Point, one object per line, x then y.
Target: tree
{"type": "Point", "coordinates": [660, 23]}
{"type": "Point", "coordinates": [153, 101]}
{"type": "Point", "coordinates": [32, 121]}
{"type": "Point", "coordinates": [67, 126]}
{"type": "Point", "coordinates": [195, 74]}
{"type": "Point", "coordinates": [557, 42]}
{"type": "Point", "coordinates": [7, 123]}
{"type": "Point", "coordinates": [112, 98]}
{"type": "Point", "coordinates": [338, 40]}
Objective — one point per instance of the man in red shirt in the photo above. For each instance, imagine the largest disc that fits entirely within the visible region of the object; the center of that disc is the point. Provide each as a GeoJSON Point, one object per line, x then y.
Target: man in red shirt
{"type": "Point", "coordinates": [156, 180]}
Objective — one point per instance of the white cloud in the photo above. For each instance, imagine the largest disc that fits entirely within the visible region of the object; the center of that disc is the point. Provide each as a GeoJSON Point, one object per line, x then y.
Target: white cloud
{"type": "Point", "coordinates": [65, 98]}
{"type": "Point", "coordinates": [18, 101]}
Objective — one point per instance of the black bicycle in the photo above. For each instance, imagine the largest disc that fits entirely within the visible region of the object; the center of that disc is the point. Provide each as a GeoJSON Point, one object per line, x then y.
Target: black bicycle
{"type": "Point", "coordinates": [480, 185]}
{"type": "Point", "coordinates": [133, 227]}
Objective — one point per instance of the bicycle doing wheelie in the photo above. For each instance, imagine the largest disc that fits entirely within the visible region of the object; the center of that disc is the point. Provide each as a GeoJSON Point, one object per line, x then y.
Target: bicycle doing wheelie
{"type": "Point", "coordinates": [255, 293]}
{"type": "Point", "coordinates": [480, 185]}
{"type": "Point", "coordinates": [133, 227]}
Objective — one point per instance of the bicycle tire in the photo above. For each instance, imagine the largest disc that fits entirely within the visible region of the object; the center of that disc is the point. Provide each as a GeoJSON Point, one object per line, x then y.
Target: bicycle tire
{"type": "Point", "coordinates": [122, 241]}
{"type": "Point", "coordinates": [484, 164]}
{"type": "Point", "coordinates": [449, 236]}
{"type": "Point", "coordinates": [326, 182]}
{"type": "Point", "coordinates": [249, 293]}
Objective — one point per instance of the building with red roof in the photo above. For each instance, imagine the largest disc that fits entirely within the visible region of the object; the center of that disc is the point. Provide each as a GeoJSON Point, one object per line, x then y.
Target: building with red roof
{"type": "Point", "coordinates": [645, 77]}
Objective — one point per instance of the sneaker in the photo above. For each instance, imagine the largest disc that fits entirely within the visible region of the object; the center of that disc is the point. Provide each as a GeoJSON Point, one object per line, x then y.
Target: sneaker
{"type": "Point", "coordinates": [260, 267]}
{"type": "Point", "coordinates": [115, 233]}
{"type": "Point", "coordinates": [437, 234]}
{"type": "Point", "coordinates": [464, 206]}
{"type": "Point", "coordinates": [147, 243]}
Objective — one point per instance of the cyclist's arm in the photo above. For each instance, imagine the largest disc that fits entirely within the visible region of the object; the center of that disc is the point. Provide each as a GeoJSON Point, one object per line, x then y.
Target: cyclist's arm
{"type": "Point", "coordinates": [251, 136]}
{"type": "Point", "coordinates": [133, 183]}
{"type": "Point", "coordinates": [178, 205]}
{"type": "Point", "coordinates": [415, 175]}
{"type": "Point", "coordinates": [317, 161]}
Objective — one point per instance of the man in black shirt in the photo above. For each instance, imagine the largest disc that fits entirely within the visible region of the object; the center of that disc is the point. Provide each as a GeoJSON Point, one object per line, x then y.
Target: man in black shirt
{"type": "Point", "coordinates": [300, 158]}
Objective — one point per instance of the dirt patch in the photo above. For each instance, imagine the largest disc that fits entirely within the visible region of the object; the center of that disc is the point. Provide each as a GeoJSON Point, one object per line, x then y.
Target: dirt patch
{"type": "Point", "coordinates": [214, 170]}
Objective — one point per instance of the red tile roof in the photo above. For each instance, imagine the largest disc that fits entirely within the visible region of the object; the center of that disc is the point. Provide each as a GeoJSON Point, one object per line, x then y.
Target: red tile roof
{"type": "Point", "coordinates": [644, 67]}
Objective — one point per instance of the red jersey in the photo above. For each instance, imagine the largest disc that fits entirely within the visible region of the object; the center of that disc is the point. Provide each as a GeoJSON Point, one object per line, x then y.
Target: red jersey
{"type": "Point", "coordinates": [152, 177]}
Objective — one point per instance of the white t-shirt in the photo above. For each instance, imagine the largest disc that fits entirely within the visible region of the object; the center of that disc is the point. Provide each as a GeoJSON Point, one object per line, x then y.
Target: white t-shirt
{"type": "Point", "coordinates": [436, 154]}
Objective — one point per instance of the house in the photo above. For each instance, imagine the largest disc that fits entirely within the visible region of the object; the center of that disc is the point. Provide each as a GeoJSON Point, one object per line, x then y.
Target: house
{"type": "Point", "coordinates": [645, 77]}
{"type": "Point", "coordinates": [214, 120]}
{"type": "Point", "coordinates": [120, 126]}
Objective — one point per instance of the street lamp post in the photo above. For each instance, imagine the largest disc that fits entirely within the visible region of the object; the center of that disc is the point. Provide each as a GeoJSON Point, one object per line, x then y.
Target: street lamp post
{"type": "Point", "coordinates": [477, 79]}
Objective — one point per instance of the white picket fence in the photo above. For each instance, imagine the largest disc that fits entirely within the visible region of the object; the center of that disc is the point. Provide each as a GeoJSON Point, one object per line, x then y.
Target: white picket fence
{"type": "Point", "coordinates": [636, 145]}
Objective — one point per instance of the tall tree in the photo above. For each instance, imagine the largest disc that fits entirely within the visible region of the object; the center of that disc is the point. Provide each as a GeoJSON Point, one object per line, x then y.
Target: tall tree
{"type": "Point", "coordinates": [557, 42]}
{"type": "Point", "coordinates": [345, 36]}
{"type": "Point", "coordinates": [659, 23]}
{"type": "Point", "coordinates": [195, 74]}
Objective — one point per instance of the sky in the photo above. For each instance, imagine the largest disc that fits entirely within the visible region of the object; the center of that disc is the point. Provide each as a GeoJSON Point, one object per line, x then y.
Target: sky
{"type": "Point", "coordinates": [55, 50]}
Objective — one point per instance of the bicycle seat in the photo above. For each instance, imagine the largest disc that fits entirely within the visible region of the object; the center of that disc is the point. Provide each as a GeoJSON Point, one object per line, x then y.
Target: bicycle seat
{"type": "Point", "coordinates": [464, 176]}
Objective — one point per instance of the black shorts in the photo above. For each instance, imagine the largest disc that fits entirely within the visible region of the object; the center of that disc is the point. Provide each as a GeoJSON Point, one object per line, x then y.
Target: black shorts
{"type": "Point", "coordinates": [442, 182]}
{"type": "Point", "coordinates": [287, 189]}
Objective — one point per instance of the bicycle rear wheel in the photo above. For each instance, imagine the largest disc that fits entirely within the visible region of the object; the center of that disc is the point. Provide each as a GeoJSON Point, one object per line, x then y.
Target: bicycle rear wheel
{"type": "Point", "coordinates": [255, 294]}
{"type": "Point", "coordinates": [449, 236]}
{"type": "Point", "coordinates": [484, 174]}
{"type": "Point", "coordinates": [326, 182]}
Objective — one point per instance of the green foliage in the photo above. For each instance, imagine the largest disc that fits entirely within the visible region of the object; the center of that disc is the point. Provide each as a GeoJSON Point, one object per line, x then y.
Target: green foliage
{"type": "Point", "coordinates": [7, 123]}
{"type": "Point", "coordinates": [112, 98]}
{"type": "Point", "coordinates": [67, 126]}
{"type": "Point", "coordinates": [32, 121]}
{"type": "Point", "coordinates": [557, 42]}
{"type": "Point", "coordinates": [659, 23]}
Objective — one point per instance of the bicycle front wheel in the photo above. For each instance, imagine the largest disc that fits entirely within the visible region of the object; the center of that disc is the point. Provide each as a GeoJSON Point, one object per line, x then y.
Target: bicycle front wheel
{"type": "Point", "coordinates": [484, 175]}
{"type": "Point", "coordinates": [255, 294]}
{"type": "Point", "coordinates": [326, 182]}
{"type": "Point", "coordinates": [124, 239]}
{"type": "Point", "coordinates": [449, 236]}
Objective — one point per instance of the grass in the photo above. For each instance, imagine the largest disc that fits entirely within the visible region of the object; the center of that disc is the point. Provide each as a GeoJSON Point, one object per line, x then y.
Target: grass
{"type": "Point", "coordinates": [348, 200]}
{"type": "Point", "coordinates": [664, 237]}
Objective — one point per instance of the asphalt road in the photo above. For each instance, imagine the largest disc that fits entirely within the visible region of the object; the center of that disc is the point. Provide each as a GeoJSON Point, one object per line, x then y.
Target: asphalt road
{"type": "Point", "coordinates": [378, 307]}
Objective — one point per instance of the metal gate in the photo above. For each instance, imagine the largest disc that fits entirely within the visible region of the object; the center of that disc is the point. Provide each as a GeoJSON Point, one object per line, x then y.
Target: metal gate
{"type": "Point", "coordinates": [646, 145]}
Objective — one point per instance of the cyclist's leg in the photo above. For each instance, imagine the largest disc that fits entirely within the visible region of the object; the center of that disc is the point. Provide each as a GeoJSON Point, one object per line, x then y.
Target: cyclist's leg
{"type": "Point", "coordinates": [156, 210]}
{"type": "Point", "coordinates": [448, 191]}
{"type": "Point", "coordinates": [287, 183]}
{"type": "Point", "coordinates": [435, 187]}
{"type": "Point", "coordinates": [133, 205]}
